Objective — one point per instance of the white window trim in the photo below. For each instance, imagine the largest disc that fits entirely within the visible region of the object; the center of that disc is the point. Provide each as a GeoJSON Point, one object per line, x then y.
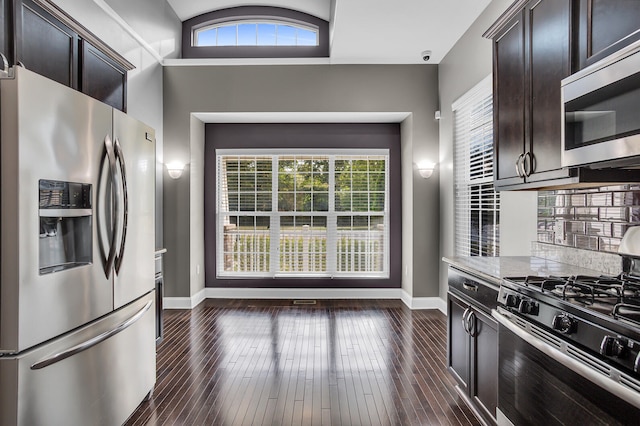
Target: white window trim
{"type": "Point", "coordinates": [275, 215]}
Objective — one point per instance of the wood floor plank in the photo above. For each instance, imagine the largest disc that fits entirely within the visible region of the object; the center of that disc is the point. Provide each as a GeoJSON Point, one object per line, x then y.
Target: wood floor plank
{"type": "Point", "coordinates": [269, 362]}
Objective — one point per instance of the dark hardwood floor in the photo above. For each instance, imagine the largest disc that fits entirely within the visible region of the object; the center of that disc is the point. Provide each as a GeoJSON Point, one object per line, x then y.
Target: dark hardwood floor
{"type": "Point", "coordinates": [345, 362]}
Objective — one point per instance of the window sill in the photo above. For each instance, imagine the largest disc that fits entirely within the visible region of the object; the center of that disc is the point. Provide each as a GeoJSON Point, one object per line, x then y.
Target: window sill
{"type": "Point", "coordinates": [189, 62]}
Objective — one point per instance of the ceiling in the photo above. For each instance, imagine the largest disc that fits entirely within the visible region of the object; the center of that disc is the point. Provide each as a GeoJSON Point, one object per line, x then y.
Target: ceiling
{"type": "Point", "coordinates": [372, 31]}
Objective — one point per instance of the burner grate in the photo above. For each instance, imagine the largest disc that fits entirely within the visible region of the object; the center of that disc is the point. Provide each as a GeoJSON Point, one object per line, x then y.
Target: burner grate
{"type": "Point", "coordinates": [627, 312]}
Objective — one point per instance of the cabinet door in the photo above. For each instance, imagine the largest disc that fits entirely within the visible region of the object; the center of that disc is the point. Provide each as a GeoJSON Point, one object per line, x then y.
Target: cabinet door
{"type": "Point", "coordinates": [508, 102]}
{"type": "Point", "coordinates": [548, 61]}
{"type": "Point", "coordinates": [44, 44]}
{"type": "Point", "coordinates": [605, 26]}
{"type": "Point", "coordinates": [102, 78]}
{"type": "Point", "coordinates": [458, 345]}
{"type": "Point", "coordinates": [484, 363]}
{"type": "Point", "coordinates": [5, 29]}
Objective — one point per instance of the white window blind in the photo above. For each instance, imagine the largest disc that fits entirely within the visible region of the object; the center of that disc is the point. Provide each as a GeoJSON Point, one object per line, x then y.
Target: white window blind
{"type": "Point", "coordinates": [303, 213]}
{"type": "Point", "coordinates": [477, 205]}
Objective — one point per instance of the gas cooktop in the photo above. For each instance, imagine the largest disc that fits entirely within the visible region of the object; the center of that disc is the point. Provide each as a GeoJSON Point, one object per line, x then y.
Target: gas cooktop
{"type": "Point", "coordinates": [617, 297]}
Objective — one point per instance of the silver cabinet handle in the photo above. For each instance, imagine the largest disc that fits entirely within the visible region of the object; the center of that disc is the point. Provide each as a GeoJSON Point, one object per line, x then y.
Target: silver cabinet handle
{"type": "Point", "coordinates": [5, 63]}
{"type": "Point", "coordinates": [519, 165]}
{"type": "Point", "coordinates": [528, 165]}
{"type": "Point", "coordinates": [578, 367]}
{"type": "Point", "coordinates": [113, 170]}
{"type": "Point", "coordinates": [81, 347]}
{"type": "Point", "coordinates": [469, 286]}
{"type": "Point", "coordinates": [125, 198]}
{"type": "Point", "coordinates": [464, 320]}
{"type": "Point", "coordinates": [472, 324]}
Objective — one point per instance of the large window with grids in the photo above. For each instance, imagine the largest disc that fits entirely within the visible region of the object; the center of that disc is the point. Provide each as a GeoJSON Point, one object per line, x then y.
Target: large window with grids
{"type": "Point", "coordinates": [302, 213]}
{"type": "Point", "coordinates": [477, 205]}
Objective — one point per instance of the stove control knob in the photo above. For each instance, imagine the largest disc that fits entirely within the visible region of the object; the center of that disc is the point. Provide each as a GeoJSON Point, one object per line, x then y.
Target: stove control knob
{"type": "Point", "coordinates": [512, 301]}
{"type": "Point", "coordinates": [613, 346]}
{"type": "Point", "coordinates": [528, 307]}
{"type": "Point", "coordinates": [564, 324]}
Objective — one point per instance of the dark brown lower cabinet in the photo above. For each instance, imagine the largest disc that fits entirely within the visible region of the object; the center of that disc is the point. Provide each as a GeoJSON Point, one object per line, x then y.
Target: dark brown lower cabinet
{"type": "Point", "coordinates": [473, 356]}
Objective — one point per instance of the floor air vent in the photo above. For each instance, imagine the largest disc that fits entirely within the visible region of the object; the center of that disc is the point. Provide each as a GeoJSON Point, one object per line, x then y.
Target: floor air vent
{"type": "Point", "coordinates": [304, 302]}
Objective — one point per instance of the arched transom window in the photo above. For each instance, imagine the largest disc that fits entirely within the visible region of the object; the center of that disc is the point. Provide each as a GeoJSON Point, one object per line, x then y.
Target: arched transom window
{"type": "Point", "coordinates": [258, 32]}
{"type": "Point", "coordinates": [255, 32]}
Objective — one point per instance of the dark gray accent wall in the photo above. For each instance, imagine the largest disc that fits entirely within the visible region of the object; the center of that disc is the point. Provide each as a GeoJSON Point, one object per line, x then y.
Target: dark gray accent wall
{"type": "Point", "coordinates": [407, 90]}
{"type": "Point", "coordinates": [295, 136]}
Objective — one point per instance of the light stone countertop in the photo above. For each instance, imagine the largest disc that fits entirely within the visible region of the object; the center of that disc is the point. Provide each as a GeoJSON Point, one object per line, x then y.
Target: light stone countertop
{"type": "Point", "coordinates": [493, 269]}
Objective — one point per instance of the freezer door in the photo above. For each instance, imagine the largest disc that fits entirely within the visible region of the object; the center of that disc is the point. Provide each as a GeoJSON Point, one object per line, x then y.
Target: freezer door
{"type": "Point", "coordinates": [96, 375]}
{"type": "Point", "coordinates": [135, 255]}
{"type": "Point", "coordinates": [50, 134]}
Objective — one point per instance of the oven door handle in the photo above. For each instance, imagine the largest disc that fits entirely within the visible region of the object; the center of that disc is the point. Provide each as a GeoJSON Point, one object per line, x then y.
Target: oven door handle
{"type": "Point", "coordinates": [587, 372]}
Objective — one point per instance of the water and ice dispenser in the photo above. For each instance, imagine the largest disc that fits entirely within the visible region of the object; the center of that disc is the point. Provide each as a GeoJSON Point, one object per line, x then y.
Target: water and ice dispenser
{"type": "Point", "coordinates": [65, 225]}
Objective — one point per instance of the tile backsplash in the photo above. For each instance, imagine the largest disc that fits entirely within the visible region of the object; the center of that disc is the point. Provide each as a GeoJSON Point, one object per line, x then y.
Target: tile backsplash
{"type": "Point", "coordinates": [591, 219]}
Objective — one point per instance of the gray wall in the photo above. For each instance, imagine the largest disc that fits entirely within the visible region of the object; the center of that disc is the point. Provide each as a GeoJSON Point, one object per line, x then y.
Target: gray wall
{"type": "Point", "coordinates": [412, 89]}
{"type": "Point", "coordinates": [466, 64]}
{"type": "Point", "coordinates": [143, 32]}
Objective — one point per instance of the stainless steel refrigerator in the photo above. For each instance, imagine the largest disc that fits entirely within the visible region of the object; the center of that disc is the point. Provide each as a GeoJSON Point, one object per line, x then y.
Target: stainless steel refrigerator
{"type": "Point", "coordinates": [77, 325]}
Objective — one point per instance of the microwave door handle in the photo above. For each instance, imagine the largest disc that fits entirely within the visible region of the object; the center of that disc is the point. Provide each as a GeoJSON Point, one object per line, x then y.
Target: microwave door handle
{"type": "Point", "coordinates": [113, 170]}
{"type": "Point", "coordinates": [125, 198]}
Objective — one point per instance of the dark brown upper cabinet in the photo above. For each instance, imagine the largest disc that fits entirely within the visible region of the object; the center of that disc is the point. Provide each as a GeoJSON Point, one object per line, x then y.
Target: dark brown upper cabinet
{"type": "Point", "coordinates": [45, 45]}
{"type": "Point", "coordinates": [604, 27]}
{"type": "Point", "coordinates": [531, 55]}
{"type": "Point", "coordinates": [102, 78]}
{"type": "Point", "coordinates": [44, 39]}
{"type": "Point", "coordinates": [536, 44]}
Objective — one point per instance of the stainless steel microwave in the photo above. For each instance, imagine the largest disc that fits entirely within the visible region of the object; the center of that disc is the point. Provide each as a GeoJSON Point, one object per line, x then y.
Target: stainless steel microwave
{"type": "Point", "coordinates": [601, 113]}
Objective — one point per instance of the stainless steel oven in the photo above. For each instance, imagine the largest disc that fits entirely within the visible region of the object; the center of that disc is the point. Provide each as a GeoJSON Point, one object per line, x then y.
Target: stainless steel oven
{"type": "Point", "coordinates": [601, 113]}
{"type": "Point", "coordinates": [543, 380]}
{"type": "Point", "coordinates": [569, 346]}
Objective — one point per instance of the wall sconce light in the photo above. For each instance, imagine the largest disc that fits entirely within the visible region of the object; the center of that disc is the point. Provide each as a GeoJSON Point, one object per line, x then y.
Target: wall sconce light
{"type": "Point", "coordinates": [425, 168]}
{"type": "Point", "coordinates": [175, 169]}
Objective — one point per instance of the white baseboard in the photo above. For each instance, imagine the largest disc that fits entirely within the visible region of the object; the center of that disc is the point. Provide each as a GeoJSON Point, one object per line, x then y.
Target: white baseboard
{"type": "Point", "coordinates": [413, 303]}
{"type": "Point", "coordinates": [176, 303]}
{"type": "Point", "coordinates": [302, 293]}
{"type": "Point", "coordinates": [183, 302]}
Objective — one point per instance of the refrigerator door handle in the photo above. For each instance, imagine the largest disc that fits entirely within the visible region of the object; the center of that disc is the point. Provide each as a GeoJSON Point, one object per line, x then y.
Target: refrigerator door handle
{"type": "Point", "coordinates": [113, 170]}
{"type": "Point", "coordinates": [81, 347]}
{"type": "Point", "coordinates": [125, 197]}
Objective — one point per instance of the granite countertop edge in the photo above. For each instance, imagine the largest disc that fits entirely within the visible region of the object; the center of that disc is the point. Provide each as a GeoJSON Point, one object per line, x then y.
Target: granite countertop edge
{"type": "Point", "coordinates": [493, 269]}
{"type": "Point", "coordinates": [460, 264]}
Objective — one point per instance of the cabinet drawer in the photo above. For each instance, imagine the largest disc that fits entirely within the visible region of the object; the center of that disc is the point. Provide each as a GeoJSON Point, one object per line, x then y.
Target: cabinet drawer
{"type": "Point", "coordinates": [480, 293]}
